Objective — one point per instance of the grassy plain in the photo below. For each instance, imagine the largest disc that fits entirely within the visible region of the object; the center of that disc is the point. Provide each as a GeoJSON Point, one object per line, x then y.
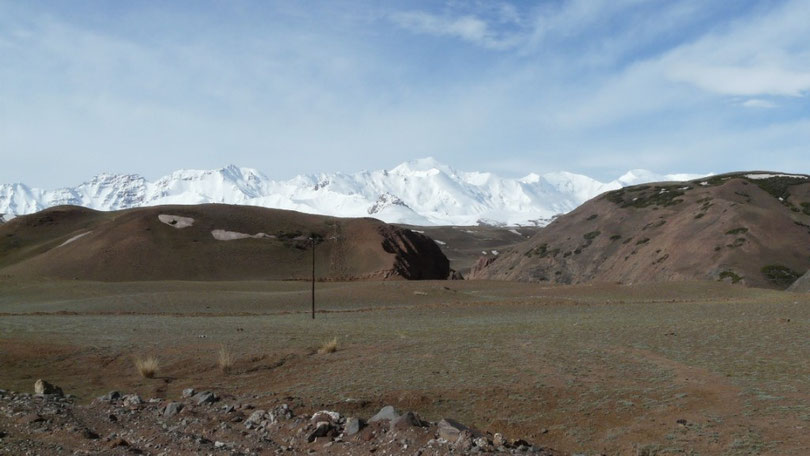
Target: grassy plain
{"type": "Point", "coordinates": [680, 368]}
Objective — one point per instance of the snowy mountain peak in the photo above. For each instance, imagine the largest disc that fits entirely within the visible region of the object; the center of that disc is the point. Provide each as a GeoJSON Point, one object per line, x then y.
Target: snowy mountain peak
{"type": "Point", "coordinates": [418, 192]}
{"type": "Point", "coordinates": [421, 166]}
{"type": "Point", "coordinates": [385, 200]}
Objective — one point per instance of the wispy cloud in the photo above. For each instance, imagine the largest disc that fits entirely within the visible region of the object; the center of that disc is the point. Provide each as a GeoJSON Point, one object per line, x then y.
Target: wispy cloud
{"type": "Point", "coordinates": [594, 86]}
{"type": "Point", "coordinates": [758, 103]}
{"type": "Point", "coordinates": [466, 27]}
{"type": "Point", "coordinates": [764, 54]}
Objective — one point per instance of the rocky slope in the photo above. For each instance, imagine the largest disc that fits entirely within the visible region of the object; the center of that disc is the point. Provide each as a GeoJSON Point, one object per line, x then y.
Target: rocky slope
{"type": "Point", "coordinates": [420, 192]}
{"type": "Point", "coordinates": [207, 423]}
{"type": "Point", "coordinates": [211, 242]}
{"type": "Point", "coordinates": [747, 228]}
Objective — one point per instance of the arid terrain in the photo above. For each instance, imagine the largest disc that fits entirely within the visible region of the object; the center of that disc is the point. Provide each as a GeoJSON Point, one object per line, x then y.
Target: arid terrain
{"type": "Point", "coordinates": [748, 228]}
{"type": "Point", "coordinates": [211, 242]}
{"type": "Point", "coordinates": [660, 369]}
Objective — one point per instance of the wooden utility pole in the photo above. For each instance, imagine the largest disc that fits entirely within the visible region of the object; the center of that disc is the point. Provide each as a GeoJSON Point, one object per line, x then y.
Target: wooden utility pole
{"type": "Point", "coordinates": [313, 276]}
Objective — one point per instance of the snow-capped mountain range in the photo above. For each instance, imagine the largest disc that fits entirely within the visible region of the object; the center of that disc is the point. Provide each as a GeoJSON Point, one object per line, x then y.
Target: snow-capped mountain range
{"type": "Point", "coordinates": [419, 192]}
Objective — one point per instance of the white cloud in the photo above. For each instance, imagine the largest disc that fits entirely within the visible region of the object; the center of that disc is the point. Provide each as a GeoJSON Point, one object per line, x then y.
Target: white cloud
{"type": "Point", "coordinates": [466, 27]}
{"type": "Point", "coordinates": [758, 103]}
{"type": "Point", "coordinates": [766, 54]}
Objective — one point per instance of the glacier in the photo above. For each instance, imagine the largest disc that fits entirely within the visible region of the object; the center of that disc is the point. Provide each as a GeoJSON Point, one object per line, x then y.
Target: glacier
{"type": "Point", "coordinates": [418, 192]}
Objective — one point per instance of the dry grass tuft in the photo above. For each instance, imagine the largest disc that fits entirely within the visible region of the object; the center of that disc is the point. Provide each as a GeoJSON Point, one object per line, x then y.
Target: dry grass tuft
{"type": "Point", "coordinates": [328, 347]}
{"type": "Point", "coordinates": [147, 367]}
{"type": "Point", "coordinates": [225, 360]}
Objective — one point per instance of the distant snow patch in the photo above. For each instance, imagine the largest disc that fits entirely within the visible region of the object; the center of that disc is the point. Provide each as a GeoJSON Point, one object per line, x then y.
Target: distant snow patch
{"type": "Point", "coordinates": [440, 242]}
{"type": "Point", "coordinates": [74, 238]}
{"type": "Point", "coordinates": [769, 176]}
{"type": "Point", "coordinates": [176, 221]}
{"type": "Point", "coordinates": [418, 231]}
{"type": "Point", "coordinates": [495, 252]}
{"type": "Point", "coordinates": [223, 235]}
{"type": "Point", "coordinates": [516, 232]}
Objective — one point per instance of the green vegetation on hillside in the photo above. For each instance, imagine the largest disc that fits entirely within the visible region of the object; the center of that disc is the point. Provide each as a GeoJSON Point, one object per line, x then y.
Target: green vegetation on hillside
{"type": "Point", "coordinates": [779, 275]}
{"type": "Point", "coordinates": [645, 196]}
{"type": "Point", "coordinates": [740, 230]}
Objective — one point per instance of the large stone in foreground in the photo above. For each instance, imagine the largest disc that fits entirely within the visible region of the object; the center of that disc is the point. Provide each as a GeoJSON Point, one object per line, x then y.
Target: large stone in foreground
{"type": "Point", "coordinates": [802, 285]}
{"type": "Point", "coordinates": [43, 387]}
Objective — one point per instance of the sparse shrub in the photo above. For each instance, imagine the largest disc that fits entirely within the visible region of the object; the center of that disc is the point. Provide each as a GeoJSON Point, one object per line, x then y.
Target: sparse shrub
{"type": "Point", "coordinates": [593, 216]}
{"type": "Point", "coordinates": [225, 359]}
{"type": "Point", "coordinates": [643, 241]}
{"type": "Point", "coordinates": [640, 197]}
{"type": "Point", "coordinates": [147, 367]}
{"type": "Point", "coordinates": [779, 275]}
{"type": "Point", "coordinates": [328, 346]}
{"type": "Point", "coordinates": [615, 237]}
{"type": "Point", "coordinates": [592, 235]}
{"type": "Point", "coordinates": [778, 186]}
{"type": "Point", "coordinates": [737, 243]}
{"type": "Point", "coordinates": [740, 230]}
{"type": "Point", "coordinates": [729, 275]}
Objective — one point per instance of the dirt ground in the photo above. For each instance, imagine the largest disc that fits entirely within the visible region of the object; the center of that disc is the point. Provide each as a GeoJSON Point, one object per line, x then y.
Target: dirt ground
{"type": "Point", "coordinates": [684, 368]}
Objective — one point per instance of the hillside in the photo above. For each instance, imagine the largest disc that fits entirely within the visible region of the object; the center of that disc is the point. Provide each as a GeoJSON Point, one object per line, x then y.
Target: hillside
{"type": "Point", "coordinates": [419, 192]}
{"type": "Point", "coordinates": [464, 245]}
{"type": "Point", "coordinates": [211, 242]}
{"type": "Point", "coordinates": [746, 228]}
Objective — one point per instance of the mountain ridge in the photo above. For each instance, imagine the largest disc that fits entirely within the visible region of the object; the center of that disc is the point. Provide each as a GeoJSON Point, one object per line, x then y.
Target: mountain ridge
{"type": "Point", "coordinates": [751, 228]}
{"type": "Point", "coordinates": [418, 192]}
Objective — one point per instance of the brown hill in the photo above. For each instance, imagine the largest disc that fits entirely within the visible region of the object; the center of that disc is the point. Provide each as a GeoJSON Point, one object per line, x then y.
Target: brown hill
{"type": "Point", "coordinates": [748, 228]}
{"type": "Point", "coordinates": [211, 242]}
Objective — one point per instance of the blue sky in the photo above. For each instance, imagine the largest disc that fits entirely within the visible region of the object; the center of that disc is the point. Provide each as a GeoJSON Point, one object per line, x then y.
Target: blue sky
{"type": "Point", "coordinates": [288, 87]}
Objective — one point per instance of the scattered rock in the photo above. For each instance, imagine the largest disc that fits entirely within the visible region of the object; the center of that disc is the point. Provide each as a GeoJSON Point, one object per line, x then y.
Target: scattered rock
{"type": "Point", "coordinates": [132, 426]}
{"type": "Point", "coordinates": [322, 429]}
{"type": "Point", "coordinates": [353, 426]}
{"type": "Point", "coordinates": [405, 421]}
{"type": "Point", "coordinates": [111, 396]}
{"type": "Point", "coordinates": [386, 413]}
{"type": "Point", "coordinates": [43, 387]}
{"type": "Point", "coordinates": [326, 415]}
{"type": "Point", "coordinates": [498, 440]}
{"type": "Point", "coordinates": [205, 397]}
{"type": "Point", "coordinates": [173, 408]}
{"type": "Point", "coordinates": [255, 417]}
{"type": "Point", "coordinates": [481, 442]}
{"type": "Point", "coordinates": [450, 430]}
{"type": "Point", "coordinates": [188, 392]}
{"type": "Point", "coordinates": [132, 400]}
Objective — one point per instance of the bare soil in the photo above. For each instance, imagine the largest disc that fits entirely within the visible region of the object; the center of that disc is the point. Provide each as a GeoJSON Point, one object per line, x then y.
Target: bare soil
{"type": "Point", "coordinates": [657, 369]}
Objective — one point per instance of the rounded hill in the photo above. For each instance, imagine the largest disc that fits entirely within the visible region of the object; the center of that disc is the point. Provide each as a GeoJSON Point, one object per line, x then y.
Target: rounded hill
{"type": "Point", "coordinates": [211, 242]}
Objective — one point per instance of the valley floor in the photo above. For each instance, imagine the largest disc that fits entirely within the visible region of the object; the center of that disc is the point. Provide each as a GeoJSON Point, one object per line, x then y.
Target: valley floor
{"type": "Point", "coordinates": [684, 368]}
